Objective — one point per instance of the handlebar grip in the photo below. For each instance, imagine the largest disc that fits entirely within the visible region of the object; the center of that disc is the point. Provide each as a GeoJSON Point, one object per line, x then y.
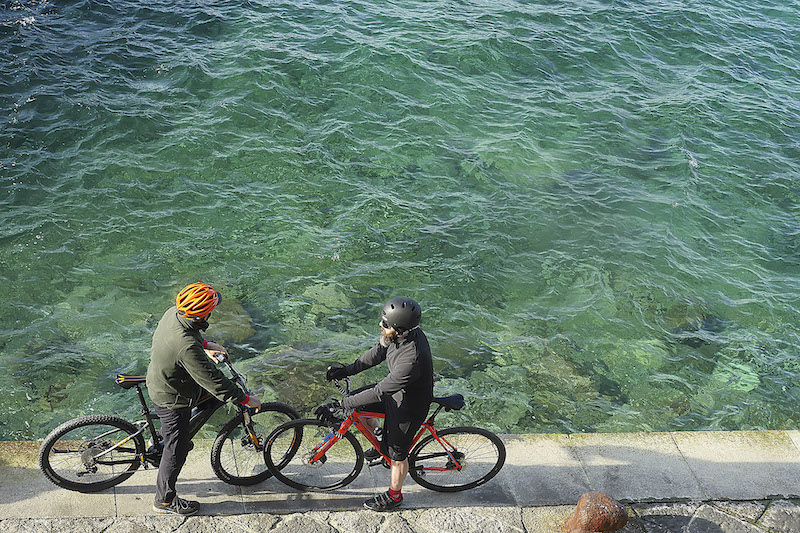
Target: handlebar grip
{"type": "Point", "coordinates": [344, 389]}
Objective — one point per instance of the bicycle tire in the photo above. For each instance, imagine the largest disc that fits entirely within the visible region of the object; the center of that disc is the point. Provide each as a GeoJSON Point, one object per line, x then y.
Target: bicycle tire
{"type": "Point", "coordinates": [234, 459]}
{"type": "Point", "coordinates": [70, 453]}
{"type": "Point", "coordinates": [481, 453]}
{"type": "Point", "coordinates": [341, 465]}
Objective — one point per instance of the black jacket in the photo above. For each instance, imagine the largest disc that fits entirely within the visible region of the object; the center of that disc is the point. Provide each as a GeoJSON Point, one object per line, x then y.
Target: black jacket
{"type": "Point", "coordinates": [410, 381]}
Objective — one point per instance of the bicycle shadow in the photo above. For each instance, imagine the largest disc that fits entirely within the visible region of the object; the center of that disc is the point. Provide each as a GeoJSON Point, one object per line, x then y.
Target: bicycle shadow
{"type": "Point", "coordinates": [26, 493]}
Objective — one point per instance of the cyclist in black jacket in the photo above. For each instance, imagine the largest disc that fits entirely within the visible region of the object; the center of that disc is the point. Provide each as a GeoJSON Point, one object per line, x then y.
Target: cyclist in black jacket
{"type": "Point", "coordinates": [405, 395]}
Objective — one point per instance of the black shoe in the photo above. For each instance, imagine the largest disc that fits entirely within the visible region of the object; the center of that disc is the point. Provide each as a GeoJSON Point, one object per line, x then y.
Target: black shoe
{"type": "Point", "coordinates": [383, 502]}
{"type": "Point", "coordinates": [372, 454]}
{"type": "Point", "coordinates": [177, 506]}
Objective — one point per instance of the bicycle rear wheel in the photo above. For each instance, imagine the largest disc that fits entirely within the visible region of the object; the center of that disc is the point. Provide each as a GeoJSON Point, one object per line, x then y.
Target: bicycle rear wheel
{"type": "Point", "coordinates": [236, 458]}
{"type": "Point", "coordinates": [340, 465]}
{"type": "Point", "coordinates": [91, 453]}
{"type": "Point", "coordinates": [480, 454]}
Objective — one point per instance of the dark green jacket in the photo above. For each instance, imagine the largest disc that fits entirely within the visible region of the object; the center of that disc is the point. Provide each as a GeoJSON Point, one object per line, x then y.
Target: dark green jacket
{"type": "Point", "coordinates": [180, 371]}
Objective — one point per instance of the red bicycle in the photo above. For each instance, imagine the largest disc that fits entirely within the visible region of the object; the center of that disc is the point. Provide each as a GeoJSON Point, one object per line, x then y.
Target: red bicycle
{"type": "Point", "coordinates": [330, 456]}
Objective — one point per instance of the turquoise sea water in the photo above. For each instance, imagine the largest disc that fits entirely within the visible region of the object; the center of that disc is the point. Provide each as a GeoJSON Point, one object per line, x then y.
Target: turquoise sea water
{"type": "Point", "coordinates": [597, 203]}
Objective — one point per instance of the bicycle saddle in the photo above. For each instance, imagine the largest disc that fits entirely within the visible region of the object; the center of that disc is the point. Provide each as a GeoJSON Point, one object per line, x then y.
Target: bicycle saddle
{"type": "Point", "coordinates": [454, 402]}
{"type": "Point", "coordinates": [127, 381]}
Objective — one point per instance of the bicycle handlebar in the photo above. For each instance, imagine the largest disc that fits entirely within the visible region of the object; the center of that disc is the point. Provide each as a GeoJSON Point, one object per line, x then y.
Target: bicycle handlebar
{"type": "Point", "coordinates": [342, 385]}
{"type": "Point", "coordinates": [237, 377]}
{"type": "Point", "coordinates": [242, 382]}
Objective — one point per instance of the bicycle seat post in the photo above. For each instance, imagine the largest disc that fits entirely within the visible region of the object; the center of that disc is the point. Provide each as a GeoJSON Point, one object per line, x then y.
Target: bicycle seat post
{"type": "Point", "coordinates": [148, 416]}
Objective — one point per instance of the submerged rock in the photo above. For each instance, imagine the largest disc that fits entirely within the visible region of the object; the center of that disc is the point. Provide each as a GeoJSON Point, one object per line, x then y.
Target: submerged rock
{"type": "Point", "coordinates": [230, 322]}
{"type": "Point", "coordinates": [326, 299]}
{"type": "Point", "coordinates": [734, 375]}
{"type": "Point", "coordinates": [702, 331]}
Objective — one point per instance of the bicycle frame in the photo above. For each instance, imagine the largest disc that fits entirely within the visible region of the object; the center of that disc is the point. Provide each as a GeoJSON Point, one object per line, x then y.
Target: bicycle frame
{"type": "Point", "coordinates": [202, 413]}
{"type": "Point", "coordinates": [355, 418]}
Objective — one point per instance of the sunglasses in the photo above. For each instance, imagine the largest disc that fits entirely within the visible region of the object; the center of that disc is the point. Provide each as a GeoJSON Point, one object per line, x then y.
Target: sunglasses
{"type": "Point", "coordinates": [385, 324]}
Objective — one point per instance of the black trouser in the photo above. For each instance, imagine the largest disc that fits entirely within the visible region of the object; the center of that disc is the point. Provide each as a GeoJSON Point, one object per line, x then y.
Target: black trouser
{"type": "Point", "coordinates": [175, 432]}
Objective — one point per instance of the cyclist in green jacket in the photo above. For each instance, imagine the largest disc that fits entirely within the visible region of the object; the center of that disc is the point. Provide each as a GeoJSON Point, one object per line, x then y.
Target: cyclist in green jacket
{"type": "Point", "coordinates": [179, 374]}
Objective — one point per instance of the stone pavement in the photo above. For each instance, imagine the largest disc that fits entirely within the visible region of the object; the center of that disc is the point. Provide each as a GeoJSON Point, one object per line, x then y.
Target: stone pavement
{"type": "Point", "coordinates": [689, 482]}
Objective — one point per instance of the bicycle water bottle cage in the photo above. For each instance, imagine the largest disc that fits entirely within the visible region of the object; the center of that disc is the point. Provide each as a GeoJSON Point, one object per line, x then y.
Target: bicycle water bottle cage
{"type": "Point", "coordinates": [453, 402]}
{"type": "Point", "coordinates": [128, 381]}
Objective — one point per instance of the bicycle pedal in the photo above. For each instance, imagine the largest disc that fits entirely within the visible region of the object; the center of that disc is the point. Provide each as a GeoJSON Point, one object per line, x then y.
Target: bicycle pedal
{"type": "Point", "coordinates": [379, 461]}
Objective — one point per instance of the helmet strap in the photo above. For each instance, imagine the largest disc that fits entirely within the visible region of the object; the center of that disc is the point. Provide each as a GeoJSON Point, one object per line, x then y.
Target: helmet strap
{"type": "Point", "coordinates": [405, 333]}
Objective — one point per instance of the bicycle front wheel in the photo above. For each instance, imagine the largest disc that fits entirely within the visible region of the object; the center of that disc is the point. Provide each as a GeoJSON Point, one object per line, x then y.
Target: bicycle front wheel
{"type": "Point", "coordinates": [340, 465]}
{"type": "Point", "coordinates": [479, 455]}
{"type": "Point", "coordinates": [91, 453]}
{"type": "Point", "coordinates": [237, 455]}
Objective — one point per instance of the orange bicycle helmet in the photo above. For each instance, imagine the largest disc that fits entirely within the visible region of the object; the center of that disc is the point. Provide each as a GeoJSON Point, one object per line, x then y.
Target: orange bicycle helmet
{"type": "Point", "coordinates": [196, 301]}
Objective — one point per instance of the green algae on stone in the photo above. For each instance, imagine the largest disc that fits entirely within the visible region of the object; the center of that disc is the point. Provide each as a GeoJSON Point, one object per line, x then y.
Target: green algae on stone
{"type": "Point", "coordinates": [230, 322]}
{"type": "Point", "coordinates": [496, 397]}
{"type": "Point", "coordinates": [295, 374]}
{"type": "Point", "coordinates": [87, 312]}
{"type": "Point", "coordinates": [734, 375]}
{"type": "Point", "coordinates": [326, 299]}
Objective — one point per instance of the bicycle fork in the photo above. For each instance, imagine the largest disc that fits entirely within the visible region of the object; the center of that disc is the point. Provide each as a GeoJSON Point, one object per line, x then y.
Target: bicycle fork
{"type": "Point", "coordinates": [248, 426]}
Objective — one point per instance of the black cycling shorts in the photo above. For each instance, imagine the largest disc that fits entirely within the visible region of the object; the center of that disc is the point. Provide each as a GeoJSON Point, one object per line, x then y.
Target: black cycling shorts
{"type": "Point", "coordinates": [399, 429]}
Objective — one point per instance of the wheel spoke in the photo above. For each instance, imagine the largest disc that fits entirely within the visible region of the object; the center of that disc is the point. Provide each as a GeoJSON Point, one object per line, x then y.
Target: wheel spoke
{"type": "Point", "coordinates": [91, 453]}
{"type": "Point", "coordinates": [238, 453]}
{"type": "Point", "coordinates": [339, 465]}
{"type": "Point", "coordinates": [465, 458]}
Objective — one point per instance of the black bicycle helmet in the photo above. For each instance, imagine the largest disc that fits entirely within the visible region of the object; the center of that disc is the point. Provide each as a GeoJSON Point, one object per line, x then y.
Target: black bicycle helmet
{"type": "Point", "coordinates": [401, 314]}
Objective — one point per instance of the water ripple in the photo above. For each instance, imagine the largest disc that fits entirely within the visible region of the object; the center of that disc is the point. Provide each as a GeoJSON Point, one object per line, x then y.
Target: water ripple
{"type": "Point", "coordinates": [596, 204]}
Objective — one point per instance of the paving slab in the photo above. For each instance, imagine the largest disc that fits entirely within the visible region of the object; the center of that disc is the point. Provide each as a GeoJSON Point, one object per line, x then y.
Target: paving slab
{"type": "Point", "coordinates": [782, 516]}
{"type": "Point", "coordinates": [136, 524]}
{"type": "Point", "coordinates": [198, 482]}
{"type": "Point", "coordinates": [750, 511]}
{"type": "Point", "coordinates": [542, 469]}
{"type": "Point", "coordinates": [636, 466]}
{"type": "Point", "coordinates": [644, 518]}
{"type": "Point", "coordinates": [666, 517]}
{"type": "Point", "coordinates": [479, 520]}
{"type": "Point", "coordinates": [794, 436]}
{"type": "Point", "coordinates": [25, 493]}
{"type": "Point", "coordinates": [135, 495]}
{"type": "Point", "coordinates": [742, 465]}
{"type": "Point", "coordinates": [360, 521]}
{"type": "Point", "coordinates": [709, 518]}
{"type": "Point", "coordinates": [546, 519]}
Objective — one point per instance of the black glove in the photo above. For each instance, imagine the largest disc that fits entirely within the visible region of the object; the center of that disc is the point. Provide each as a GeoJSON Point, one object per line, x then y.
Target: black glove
{"type": "Point", "coordinates": [336, 371]}
{"type": "Point", "coordinates": [327, 412]}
